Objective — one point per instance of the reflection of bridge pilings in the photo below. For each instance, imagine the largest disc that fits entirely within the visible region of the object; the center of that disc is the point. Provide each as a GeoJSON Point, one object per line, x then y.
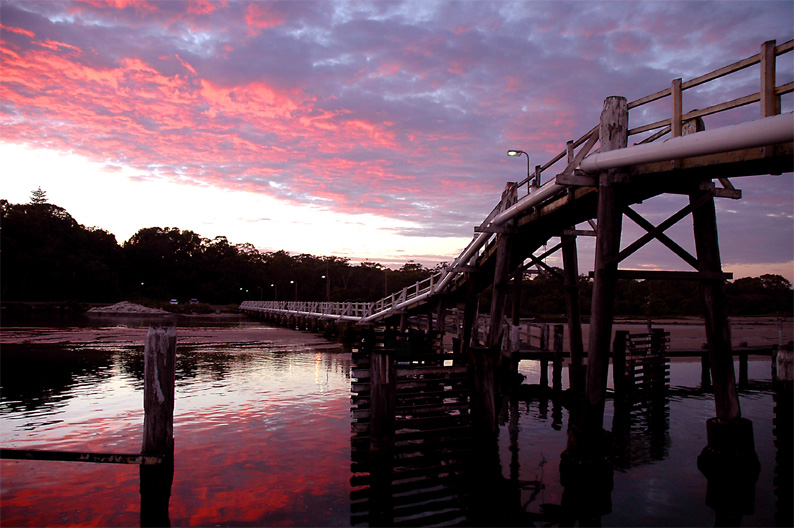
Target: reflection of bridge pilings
{"type": "Point", "coordinates": [731, 467]}
{"type": "Point", "coordinates": [586, 475]}
{"type": "Point", "coordinates": [640, 422]}
{"type": "Point", "coordinates": [417, 457]}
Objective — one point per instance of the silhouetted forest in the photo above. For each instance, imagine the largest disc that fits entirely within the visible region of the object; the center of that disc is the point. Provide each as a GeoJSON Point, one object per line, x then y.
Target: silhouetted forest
{"type": "Point", "coordinates": [48, 256]}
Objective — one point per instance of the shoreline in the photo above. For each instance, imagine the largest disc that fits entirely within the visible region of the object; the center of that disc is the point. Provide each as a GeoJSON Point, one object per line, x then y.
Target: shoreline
{"type": "Point", "coordinates": [118, 329]}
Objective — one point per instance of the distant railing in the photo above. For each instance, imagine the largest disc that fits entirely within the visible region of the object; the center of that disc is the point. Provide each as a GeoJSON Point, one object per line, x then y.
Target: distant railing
{"type": "Point", "coordinates": [537, 194]}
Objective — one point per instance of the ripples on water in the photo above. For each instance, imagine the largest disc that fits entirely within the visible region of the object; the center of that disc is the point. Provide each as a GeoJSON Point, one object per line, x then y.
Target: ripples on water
{"type": "Point", "coordinates": [262, 438]}
{"type": "Point", "coordinates": [261, 435]}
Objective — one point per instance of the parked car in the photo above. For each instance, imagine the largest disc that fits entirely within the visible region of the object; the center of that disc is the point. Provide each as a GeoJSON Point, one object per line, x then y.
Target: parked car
{"type": "Point", "coordinates": [174, 301]}
{"type": "Point", "coordinates": [193, 301]}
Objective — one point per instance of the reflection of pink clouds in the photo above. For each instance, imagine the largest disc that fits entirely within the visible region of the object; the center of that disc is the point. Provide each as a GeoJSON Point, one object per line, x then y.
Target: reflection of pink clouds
{"type": "Point", "coordinates": [268, 474]}
{"type": "Point", "coordinates": [69, 494]}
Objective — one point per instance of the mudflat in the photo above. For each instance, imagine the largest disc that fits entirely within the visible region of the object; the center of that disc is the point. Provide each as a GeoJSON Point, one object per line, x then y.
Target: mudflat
{"type": "Point", "coordinates": [685, 333]}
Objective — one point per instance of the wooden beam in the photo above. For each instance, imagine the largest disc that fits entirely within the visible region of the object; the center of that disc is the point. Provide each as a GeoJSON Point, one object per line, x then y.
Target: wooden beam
{"type": "Point", "coordinates": [70, 456]}
{"type": "Point", "coordinates": [578, 232]}
{"type": "Point", "coordinates": [673, 275]}
{"type": "Point", "coordinates": [577, 180]}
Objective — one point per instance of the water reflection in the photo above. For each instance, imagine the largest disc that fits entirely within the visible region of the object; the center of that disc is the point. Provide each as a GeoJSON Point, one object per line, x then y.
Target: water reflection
{"type": "Point", "coordinates": [263, 437]}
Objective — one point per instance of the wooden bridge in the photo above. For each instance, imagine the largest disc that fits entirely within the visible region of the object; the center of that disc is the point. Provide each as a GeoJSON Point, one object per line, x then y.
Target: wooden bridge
{"type": "Point", "coordinates": [601, 180]}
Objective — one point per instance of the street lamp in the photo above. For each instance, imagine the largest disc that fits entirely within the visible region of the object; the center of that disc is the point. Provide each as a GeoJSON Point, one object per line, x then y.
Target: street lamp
{"type": "Point", "coordinates": [275, 291]}
{"type": "Point", "coordinates": [296, 289]}
{"type": "Point", "coordinates": [327, 287]}
{"type": "Point", "coordinates": [514, 153]}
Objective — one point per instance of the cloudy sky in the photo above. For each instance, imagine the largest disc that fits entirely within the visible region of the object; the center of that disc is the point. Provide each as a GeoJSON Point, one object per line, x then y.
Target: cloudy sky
{"type": "Point", "coordinates": [371, 130]}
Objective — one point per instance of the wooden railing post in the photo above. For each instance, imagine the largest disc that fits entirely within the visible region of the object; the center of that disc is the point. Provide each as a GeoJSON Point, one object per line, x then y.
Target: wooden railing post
{"type": "Point", "coordinates": [768, 97]}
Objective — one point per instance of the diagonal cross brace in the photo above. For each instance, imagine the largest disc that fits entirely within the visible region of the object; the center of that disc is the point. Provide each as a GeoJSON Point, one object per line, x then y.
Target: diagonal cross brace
{"type": "Point", "coordinates": [658, 233]}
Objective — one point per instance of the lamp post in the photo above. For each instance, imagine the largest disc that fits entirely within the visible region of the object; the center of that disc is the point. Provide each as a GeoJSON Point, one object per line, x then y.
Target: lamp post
{"type": "Point", "coordinates": [327, 287]}
{"type": "Point", "coordinates": [514, 153]}
{"type": "Point", "coordinates": [296, 289]}
{"type": "Point", "coordinates": [275, 291]}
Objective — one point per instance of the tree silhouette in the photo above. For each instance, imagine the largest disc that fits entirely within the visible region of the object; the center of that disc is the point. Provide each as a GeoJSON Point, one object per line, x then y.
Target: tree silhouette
{"type": "Point", "coordinates": [38, 196]}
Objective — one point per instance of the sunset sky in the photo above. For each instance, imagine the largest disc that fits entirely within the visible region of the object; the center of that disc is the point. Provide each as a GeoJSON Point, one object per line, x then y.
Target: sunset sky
{"type": "Point", "coordinates": [369, 130]}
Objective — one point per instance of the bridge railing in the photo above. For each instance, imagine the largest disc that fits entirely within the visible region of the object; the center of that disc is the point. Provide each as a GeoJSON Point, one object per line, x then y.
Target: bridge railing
{"type": "Point", "coordinates": [345, 311]}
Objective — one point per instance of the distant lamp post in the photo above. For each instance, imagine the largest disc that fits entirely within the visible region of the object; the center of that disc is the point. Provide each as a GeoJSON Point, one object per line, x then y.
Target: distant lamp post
{"type": "Point", "coordinates": [296, 289]}
{"type": "Point", "coordinates": [514, 153]}
{"type": "Point", "coordinates": [275, 291]}
{"type": "Point", "coordinates": [327, 287]}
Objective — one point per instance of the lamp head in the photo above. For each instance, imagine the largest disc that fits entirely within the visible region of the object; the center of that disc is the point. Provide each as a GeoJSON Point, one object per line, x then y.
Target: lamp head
{"type": "Point", "coordinates": [515, 152]}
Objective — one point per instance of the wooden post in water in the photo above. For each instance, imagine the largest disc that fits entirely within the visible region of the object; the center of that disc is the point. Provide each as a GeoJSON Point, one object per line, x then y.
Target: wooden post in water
{"type": "Point", "coordinates": [556, 370]}
{"type": "Point", "coordinates": [730, 453]}
{"type": "Point", "coordinates": [441, 318]}
{"type": "Point", "coordinates": [718, 330]}
{"type": "Point", "coordinates": [158, 390]}
{"type": "Point", "coordinates": [158, 424]}
{"type": "Point", "coordinates": [619, 364]}
{"type": "Point", "coordinates": [613, 133]}
{"type": "Point", "coordinates": [383, 401]}
{"type": "Point", "coordinates": [574, 315]}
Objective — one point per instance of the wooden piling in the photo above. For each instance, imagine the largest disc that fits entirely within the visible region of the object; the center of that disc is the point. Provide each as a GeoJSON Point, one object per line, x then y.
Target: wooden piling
{"type": "Point", "coordinates": [619, 362]}
{"type": "Point", "coordinates": [574, 314]}
{"type": "Point", "coordinates": [718, 330]}
{"type": "Point", "coordinates": [556, 369]}
{"type": "Point", "coordinates": [158, 390]}
{"type": "Point", "coordinates": [158, 424]}
{"type": "Point", "coordinates": [613, 134]}
{"type": "Point", "coordinates": [501, 280]}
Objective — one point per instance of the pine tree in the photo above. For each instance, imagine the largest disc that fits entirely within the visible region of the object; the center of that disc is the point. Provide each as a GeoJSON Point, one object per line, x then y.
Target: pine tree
{"type": "Point", "coordinates": [38, 196]}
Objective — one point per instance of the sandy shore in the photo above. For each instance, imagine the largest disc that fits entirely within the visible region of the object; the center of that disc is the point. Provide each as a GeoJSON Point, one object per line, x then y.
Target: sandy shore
{"type": "Point", "coordinates": [118, 331]}
{"type": "Point", "coordinates": [685, 334]}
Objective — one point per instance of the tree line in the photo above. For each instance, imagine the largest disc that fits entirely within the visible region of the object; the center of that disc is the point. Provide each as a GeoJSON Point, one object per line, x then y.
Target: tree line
{"type": "Point", "coordinates": [49, 256]}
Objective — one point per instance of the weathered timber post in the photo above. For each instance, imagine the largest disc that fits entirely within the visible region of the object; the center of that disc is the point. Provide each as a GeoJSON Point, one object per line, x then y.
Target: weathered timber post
{"type": "Point", "coordinates": [619, 363]}
{"type": "Point", "coordinates": [556, 369]}
{"type": "Point", "coordinates": [483, 363]}
{"type": "Point", "coordinates": [613, 133]}
{"type": "Point", "coordinates": [383, 401]}
{"type": "Point", "coordinates": [469, 313]}
{"type": "Point", "coordinates": [515, 340]}
{"type": "Point", "coordinates": [730, 454]}
{"type": "Point", "coordinates": [574, 315]}
{"type": "Point", "coordinates": [158, 390]}
{"type": "Point", "coordinates": [441, 317]}
{"type": "Point", "coordinates": [501, 280]}
{"type": "Point", "coordinates": [158, 424]}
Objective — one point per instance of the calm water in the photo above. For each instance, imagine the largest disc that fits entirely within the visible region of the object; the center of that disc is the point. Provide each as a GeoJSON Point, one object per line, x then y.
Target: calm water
{"type": "Point", "coordinates": [263, 438]}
